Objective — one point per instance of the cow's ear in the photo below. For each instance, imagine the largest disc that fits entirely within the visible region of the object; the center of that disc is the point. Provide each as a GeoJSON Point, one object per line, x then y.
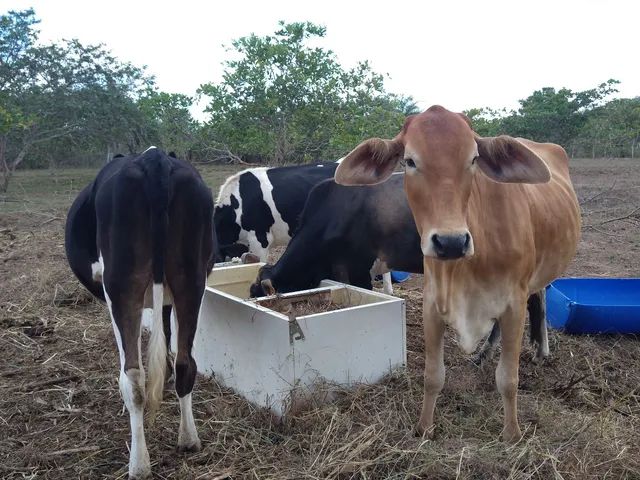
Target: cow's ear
{"type": "Point", "coordinates": [507, 160]}
{"type": "Point", "coordinates": [371, 162]}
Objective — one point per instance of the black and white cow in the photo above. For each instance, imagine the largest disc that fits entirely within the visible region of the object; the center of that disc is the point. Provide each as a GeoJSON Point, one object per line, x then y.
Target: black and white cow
{"type": "Point", "coordinates": [144, 230]}
{"type": "Point", "coordinates": [259, 207]}
{"type": "Point", "coordinates": [344, 230]}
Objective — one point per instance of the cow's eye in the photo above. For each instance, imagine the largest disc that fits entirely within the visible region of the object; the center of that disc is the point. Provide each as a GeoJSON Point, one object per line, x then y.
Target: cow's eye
{"type": "Point", "coordinates": [473, 162]}
{"type": "Point", "coordinates": [410, 163]}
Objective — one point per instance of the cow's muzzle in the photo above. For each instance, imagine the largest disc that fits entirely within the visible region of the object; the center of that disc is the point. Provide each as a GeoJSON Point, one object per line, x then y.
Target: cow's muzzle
{"type": "Point", "coordinates": [449, 246]}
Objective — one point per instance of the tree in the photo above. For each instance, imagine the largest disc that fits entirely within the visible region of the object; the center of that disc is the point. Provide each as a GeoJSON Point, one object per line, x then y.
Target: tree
{"type": "Point", "coordinates": [550, 115]}
{"type": "Point", "coordinates": [61, 91]}
{"type": "Point", "coordinates": [284, 101]}
{"type": "Point", "coordinates": [169, 121]}
{"type": "Point", "coordinates": [547, 115]}
{"type": "Point", "coordinates": [486, 121]}
{"type": "Point", "coordinates": [612, 129]}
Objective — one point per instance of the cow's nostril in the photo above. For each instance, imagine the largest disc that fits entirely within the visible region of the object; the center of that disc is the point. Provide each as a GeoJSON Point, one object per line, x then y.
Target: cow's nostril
{"type": "Point", "coordinates": [437, 244]}
{"type": "Point", "coordinates": [467, 241]}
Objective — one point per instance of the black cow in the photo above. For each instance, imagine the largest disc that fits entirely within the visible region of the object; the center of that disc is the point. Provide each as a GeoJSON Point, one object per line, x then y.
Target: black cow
{"type": "Point", "coordinates": [343, 230]}
{"type": "Point", "coordinates": [144, 228]}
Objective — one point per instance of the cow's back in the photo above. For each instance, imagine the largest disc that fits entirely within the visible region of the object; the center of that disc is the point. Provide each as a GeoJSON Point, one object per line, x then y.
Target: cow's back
{"type": "Point", "coordinates": [555, 216]}
{"type": "Point", "coordinates": [525, 232]}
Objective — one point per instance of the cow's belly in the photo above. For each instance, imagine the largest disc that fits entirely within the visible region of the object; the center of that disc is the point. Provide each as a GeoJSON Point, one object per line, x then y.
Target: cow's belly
{"type": "Point", "coordinates": [552, 265]}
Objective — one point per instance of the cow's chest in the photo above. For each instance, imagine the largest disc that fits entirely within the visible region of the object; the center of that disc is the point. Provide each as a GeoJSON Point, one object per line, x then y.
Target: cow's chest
{"type": "Point", "coordinates": [472, 313]}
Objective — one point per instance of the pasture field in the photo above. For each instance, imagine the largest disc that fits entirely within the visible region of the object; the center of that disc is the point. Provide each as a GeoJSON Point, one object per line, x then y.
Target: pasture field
{"type": "Point", "coordinates": [61, 415]}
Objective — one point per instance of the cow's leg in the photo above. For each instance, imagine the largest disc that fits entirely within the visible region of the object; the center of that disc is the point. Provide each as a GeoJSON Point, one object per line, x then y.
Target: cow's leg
{"type": "Point", "coordinates": [125, 301]}
{"type": "Point", "coordinates": [387, 286]}
{"type": "Point", "coordinates": [489, 346]}
{"type": "Point", "coordinates": [537, 305]}
{"type": "Point", "coordinates": [511, 327]}
{"type": "Point", "coordinates": [166, 326]}
{"type": "Point", "coordinates": [255, 247]}
{"type": "Point", "coordinates": [187, 307]}
{"type": "Point", "coordinates": [360, 276]}
{"type": "Point", "coordinates": [433, 369]}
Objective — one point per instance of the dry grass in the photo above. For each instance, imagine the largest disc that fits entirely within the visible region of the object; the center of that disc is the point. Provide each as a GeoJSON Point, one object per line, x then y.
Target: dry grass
{"type": "Point", "coordinates": [298, 307]}
{"type": "Point", "coordinates": [61, 415]}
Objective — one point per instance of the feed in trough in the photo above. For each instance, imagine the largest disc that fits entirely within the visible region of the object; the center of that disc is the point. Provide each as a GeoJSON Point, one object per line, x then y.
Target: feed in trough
{"type": "Point", "coordinates": [301, 305]}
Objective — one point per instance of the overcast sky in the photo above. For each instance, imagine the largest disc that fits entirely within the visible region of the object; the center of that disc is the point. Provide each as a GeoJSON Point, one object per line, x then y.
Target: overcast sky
{"type": "Point", "coordinates": [459, 54]}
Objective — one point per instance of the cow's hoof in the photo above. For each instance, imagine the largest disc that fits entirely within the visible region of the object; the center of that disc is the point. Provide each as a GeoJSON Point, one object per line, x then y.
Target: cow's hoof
{"type": "Point", "coordinates": [140, 476]}
{"type": "Point", "coordinates": [189, 448]}
{"type": "Point", "coordinates": [142, 473]}
{"type": "Point", "coordinates": [540, 356]}
{"type": "Point", "coordinates": [537, 359]}
{"type": "Point", "coordinates": [420, 431]}
{"type": "Point", "coordinates": [140, 466]}
{"type": "Point", "coordinates": [512, 436]}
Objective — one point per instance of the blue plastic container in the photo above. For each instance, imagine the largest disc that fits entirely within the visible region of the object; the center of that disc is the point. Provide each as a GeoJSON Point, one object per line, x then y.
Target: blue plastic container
{"type": "Point", "coordinates": [399, 277]}
{"type": "Point", "coordinates": [594, 305]}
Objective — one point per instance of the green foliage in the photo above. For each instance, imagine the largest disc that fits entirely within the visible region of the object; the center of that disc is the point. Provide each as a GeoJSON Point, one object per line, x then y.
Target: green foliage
{"type": "Point", "coordinates": [282, 100]}
{"type": "Point", "coordinates": [58, 95]}
{"type": "Point", "coordinates": [582, 121]}
{"type": "Point", "coordinates": [554, 116]}
{"type": "Point", "coordinates": [168, 121]}
{"type": "Point", "coordinates": [486, 121]}
{"type": "Point", "coordinates": [611, 130]}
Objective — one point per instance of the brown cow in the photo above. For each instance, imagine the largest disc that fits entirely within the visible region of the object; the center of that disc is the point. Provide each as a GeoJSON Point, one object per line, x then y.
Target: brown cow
{"type": "Point", "coordinates": [498, 220]}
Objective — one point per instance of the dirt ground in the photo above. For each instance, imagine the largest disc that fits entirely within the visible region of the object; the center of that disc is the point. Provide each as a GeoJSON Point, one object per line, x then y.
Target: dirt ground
{"type": "Point", "coordinates": [61, 415]}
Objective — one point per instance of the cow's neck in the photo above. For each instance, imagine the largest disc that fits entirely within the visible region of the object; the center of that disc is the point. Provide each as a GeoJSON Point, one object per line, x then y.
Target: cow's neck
{"type": "Point", "coordinates": [439, 282]}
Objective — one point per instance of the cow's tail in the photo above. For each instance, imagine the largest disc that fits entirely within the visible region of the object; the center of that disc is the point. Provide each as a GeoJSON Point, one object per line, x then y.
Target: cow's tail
{"type": "Point", "coordinates": [157, 168]}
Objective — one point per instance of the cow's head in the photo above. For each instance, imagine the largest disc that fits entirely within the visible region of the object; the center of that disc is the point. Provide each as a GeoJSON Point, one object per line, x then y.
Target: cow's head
{"type": "Point", "coordinates": [442, 155]}
{"type": "Point", "coordinates": [263, 285]}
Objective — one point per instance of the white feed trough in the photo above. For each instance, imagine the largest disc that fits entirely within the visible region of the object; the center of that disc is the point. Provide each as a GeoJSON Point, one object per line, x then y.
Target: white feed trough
{"type": "Point", "coordinates": [276, 360]}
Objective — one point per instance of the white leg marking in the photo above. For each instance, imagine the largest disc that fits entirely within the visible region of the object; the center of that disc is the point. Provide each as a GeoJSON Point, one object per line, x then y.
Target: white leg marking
{"type": "Point", "coordinates": [96, 271]}
{"type": "Point", "coordinates": [132, 391]}
{"type": "Point", "coordinates": [380, 268]}
{"type": "Point", "coordinates": [147, 319]}
{"type": "Point", "coordinates": [188, 439]}
{"type": "Point", "coordinates": [187, 434]}
{"type": "Point", "coordinates": [543, 348]}
{"type": "Point", "coordinates": [386, 282]}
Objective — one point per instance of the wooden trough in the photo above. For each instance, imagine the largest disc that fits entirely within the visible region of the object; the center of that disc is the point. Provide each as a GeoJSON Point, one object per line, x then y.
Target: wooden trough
{"type": "Point", "coordinates": [284, 360]}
